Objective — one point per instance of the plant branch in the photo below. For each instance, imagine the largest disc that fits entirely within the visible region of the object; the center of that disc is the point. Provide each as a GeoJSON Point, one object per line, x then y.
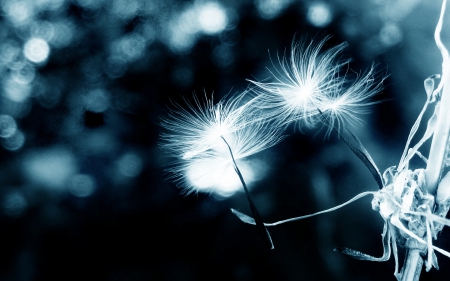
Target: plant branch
{"type": "Point", "coordinates": [441, 133]}
{"type": "Point", "coordinates": [440, 139]}
{"type": "Point", "coordinates": [414, 262]}
{"type": "Point", "coordinates": [413, 266]}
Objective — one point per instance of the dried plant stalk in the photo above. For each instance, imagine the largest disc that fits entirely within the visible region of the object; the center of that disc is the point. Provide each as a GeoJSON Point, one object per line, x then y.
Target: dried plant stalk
{"type": "Point", "coordinates": [441, 133]}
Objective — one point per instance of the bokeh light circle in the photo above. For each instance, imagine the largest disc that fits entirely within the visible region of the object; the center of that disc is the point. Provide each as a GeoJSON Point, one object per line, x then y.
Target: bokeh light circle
{"type": "Point", "coordinates": [36, 50]}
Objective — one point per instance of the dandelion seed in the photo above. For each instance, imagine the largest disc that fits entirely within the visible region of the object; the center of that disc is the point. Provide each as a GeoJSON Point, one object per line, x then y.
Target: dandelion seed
{"type": "Point", "coordinates": [310, 80]}
{"type": "Point", "coordinates": [345, 106]}
{"type": "Point", "coordinates": [198, 127]}
{"type": "Point", "coordinates": [195, 138]}
{"type": "Point", "coordinates": [210, 139]}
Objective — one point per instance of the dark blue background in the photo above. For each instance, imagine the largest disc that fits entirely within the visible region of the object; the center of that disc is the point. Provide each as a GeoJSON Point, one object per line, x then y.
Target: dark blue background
{"type": "Point", "coordinates": [137, 225]}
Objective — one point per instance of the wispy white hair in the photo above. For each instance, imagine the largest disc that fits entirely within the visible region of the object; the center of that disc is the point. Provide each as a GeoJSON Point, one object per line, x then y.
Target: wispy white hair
{"type": "Point", "coordinates": [194, 136]}
{"type": "Point", "coordinates": [310, 82]}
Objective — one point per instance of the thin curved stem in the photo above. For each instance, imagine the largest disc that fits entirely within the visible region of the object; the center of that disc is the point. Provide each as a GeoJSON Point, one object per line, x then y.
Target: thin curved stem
{"type": "Point", "coordinates": [322, 212]}
{"type": "Point", "coordinates": [259, 223]}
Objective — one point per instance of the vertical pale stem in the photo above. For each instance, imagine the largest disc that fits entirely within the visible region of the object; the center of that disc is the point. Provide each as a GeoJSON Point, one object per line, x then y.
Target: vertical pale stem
{"type": "Point", "coordinates": [413, 266]}
{"type": "Point", "coordinates": [441, 131]}
{"type": "Point", "coordinates": [440, 139]}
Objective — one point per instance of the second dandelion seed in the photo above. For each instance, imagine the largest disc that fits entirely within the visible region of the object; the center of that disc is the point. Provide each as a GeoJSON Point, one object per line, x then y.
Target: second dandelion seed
{"type": "Point", "coordinates": [310, 82]}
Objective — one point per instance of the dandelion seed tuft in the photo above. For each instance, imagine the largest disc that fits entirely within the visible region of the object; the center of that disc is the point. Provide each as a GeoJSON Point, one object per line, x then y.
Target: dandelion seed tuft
{"type": "Point", "coordinates": [310, 81]}
{"type": "Point", "coordinates": [194, 136]}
